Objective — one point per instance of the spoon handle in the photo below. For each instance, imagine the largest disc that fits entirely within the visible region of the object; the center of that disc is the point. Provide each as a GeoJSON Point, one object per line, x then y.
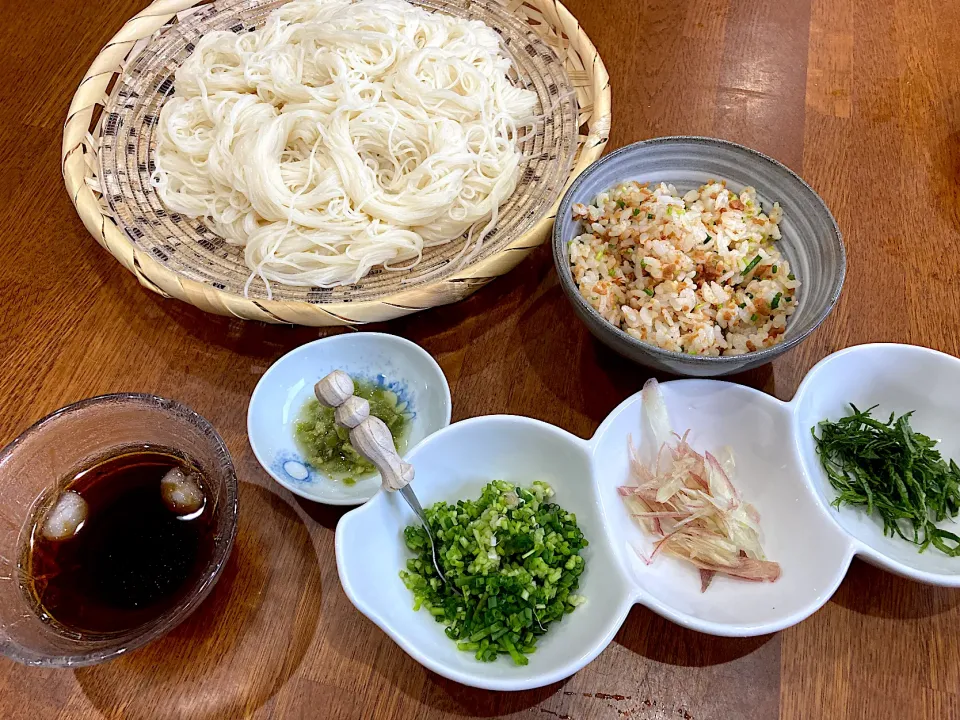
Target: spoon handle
{"type": "Point", "coordinates": [369, 435]}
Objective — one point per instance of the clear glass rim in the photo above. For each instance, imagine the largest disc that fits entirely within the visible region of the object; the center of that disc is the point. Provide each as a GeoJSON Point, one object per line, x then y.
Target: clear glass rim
{"type": "Point", "coordinates": [109, 647]}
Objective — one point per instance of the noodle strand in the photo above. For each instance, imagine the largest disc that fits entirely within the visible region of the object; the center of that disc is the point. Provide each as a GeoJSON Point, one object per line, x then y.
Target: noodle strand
{"type": "Point", "coordinates": [341, 136]}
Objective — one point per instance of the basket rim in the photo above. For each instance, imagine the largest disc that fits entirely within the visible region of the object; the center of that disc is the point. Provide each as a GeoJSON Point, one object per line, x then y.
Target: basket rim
{"type": "Point", "coordinates": [80, 162]}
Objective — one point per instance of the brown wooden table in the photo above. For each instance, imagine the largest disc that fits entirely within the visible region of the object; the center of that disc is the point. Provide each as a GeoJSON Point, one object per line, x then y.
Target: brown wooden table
{"type": "Point", "coordinates": [861, 97]}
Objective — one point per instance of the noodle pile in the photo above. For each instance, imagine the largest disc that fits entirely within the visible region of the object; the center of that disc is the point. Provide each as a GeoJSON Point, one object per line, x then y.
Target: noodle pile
{"type": "Point", "coordinates": [341, 136]}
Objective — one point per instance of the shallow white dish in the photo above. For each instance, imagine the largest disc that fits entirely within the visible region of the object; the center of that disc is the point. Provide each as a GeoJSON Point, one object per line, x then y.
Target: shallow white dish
{"type": "Point", "coordinates": [777, 471]}
{"type": "Point", "coordinates": [403, 366]}
{"type": "Point", "coordinates": [898, 378]}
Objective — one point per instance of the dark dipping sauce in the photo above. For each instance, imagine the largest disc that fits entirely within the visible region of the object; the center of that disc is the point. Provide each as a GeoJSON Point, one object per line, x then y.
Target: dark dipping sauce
{"type": "Point", "coordinates": [133, 558]}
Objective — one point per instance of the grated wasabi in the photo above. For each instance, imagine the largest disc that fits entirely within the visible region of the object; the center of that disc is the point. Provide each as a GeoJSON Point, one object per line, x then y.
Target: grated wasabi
{"type": "Point", "coordinates": [326, 446]}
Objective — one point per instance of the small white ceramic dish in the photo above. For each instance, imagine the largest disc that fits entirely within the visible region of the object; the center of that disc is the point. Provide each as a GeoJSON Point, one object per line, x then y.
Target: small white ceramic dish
{"type": "Point", "coordinates": [401, 365]}
{"type": "Point", "coordinates": [777, 471]}
{"type": "Point", "coordinates": [897, 378]}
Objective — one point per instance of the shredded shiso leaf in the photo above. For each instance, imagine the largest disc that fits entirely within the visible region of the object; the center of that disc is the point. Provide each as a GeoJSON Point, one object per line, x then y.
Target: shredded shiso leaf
{"type": "Point", "coordinates": [687, 501]}
{"type": "Point", "coordinates": [514, 556]}
{"type": "Point", "coordinates": [890, 468]}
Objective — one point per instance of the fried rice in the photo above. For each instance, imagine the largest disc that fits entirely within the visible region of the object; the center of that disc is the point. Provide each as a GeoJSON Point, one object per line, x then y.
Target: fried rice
{"type": "Point", "coordinates": [697, 273]}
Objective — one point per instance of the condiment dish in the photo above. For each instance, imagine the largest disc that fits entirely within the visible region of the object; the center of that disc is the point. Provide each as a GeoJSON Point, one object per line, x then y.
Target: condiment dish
{"type": "Point", "coordinates": [777, 471]}
{"type": "Point", "coordinates": [456, 463]}
{"type": "Point", "coordinates": [402, 366]}
{"type": "Point", "coordinates": [811, 239]}
{"type": "Point", "coordinates": [899, 379]}
{"type": "Point", "coordinates": [797, 533]}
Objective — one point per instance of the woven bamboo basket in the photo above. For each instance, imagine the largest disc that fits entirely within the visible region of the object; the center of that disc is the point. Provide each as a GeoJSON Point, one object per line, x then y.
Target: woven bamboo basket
{"type": "Point", "coordinates": [191, 264]}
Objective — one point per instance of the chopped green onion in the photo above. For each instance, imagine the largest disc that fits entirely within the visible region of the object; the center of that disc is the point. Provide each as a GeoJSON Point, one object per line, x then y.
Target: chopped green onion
{"type": "Point", "coordinates": [621, 204]}
{"type": "Point", "coordinates": [648, 291]}
{"type": "Point", "coordinates": [753, 318]}
{"type": "Point", "coordinates": [636, 211]}
{"type": "Point", "coordinates": [774, 269]}
{"type": "Point", "coordinates": [707, 240]}
{"type": "Point", "coordinates": [788, 299]}
{"type": "Point", "coordinates": [742, 306]}
{"type": "Point", "coordinates": [649, 216]}
{"type": "Point", "coordinates": [775, 303]}
{"type": "Point", "coordinates": [515, 557]}
{"type": "Point", "coordinates": [753, 263]}
{"type": "Point", "coordinates": [791, 276]}
{"type": "Point", "coordinates": [750, 295]}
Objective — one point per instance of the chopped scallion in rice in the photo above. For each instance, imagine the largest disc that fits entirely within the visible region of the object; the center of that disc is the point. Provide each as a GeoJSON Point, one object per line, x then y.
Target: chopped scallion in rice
{"type": "Point", "coordinates": [704, 278]}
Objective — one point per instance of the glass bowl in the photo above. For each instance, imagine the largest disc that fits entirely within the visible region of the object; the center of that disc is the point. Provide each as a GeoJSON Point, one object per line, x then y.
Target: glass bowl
{"type": "Point", "coordinates": [45, 457]}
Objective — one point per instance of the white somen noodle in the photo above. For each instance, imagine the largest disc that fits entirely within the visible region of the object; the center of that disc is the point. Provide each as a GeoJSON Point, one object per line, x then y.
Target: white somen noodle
{"type": "Point", "coordinates": [341, 136]}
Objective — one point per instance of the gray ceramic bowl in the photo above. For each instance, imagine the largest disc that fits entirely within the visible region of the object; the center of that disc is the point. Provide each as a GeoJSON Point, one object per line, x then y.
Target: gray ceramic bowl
{"type": "Point", "coordinates": [811, 239]}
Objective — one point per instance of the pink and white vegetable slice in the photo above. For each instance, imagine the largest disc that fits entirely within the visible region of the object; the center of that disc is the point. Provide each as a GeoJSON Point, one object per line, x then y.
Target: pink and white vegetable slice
{"type": "Point", "coordinates": [689, 504]}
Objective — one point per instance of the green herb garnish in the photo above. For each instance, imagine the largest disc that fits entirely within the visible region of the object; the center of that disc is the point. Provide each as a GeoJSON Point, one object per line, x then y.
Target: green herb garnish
{"type": "Point", "coordinates": [888, 468]}
{"type": "Point", "coordinates": [753, 263]}
{"type": "Point", "coordinates": [774, 269]}
{"type": "Point", "coordinates": [649, 216]}
{"type": "Point", "coordinates": [514, 556]}
{"type": "Point", "coordinates": [791, 276]}
{"type": "Point", "coordinates": [707, 240]}
{"type": "Point", "coordinates": [648, 291]}
{"type": "Point", "coordinates": [621, 204]}
{"type": "Point", "coordinates": [636, 211]}
{"type": "Point", "coordinates": [775, 303]}
{"type": "Point", "coordinates": [753, 318]}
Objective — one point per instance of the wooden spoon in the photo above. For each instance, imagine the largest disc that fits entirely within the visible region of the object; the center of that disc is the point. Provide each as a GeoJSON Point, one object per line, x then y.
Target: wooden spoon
{"type": "Point", "coordinates": [371, 437]}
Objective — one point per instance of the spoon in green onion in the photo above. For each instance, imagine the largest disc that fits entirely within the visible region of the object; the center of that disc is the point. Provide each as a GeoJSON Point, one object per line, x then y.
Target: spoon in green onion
{"type": "Point", "coordinates": [371, 437]}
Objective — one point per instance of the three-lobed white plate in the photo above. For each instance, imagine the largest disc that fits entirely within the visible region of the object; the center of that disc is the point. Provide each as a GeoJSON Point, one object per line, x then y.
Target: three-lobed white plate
{"type": "Point", "coordinates": [399, 364]}
{"type": "Point", "coordinates": [777, 470]}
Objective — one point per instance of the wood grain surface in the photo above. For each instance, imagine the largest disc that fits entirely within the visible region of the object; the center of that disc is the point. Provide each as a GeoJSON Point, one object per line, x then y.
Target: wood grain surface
{"type": "Point", "coordinates": [861, 97]}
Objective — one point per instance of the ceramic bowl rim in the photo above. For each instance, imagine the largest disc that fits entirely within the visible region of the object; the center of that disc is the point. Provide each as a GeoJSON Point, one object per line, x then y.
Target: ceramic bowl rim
{"type": "Point", "coordinates": [562, 263]}
{"type": "Point", "coordinates": [377, 337]}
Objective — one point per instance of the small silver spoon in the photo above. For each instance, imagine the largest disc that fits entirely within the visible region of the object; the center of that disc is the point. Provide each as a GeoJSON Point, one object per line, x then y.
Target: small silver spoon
{"type": "Point", "coordinates": [371, 437]}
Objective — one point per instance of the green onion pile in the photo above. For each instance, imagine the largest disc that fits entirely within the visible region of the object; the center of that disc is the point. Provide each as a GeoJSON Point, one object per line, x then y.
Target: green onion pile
{"type": "Point", "coordinates": [514, 556]}
{"type": "Point", "coordinates": [889, 468]}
